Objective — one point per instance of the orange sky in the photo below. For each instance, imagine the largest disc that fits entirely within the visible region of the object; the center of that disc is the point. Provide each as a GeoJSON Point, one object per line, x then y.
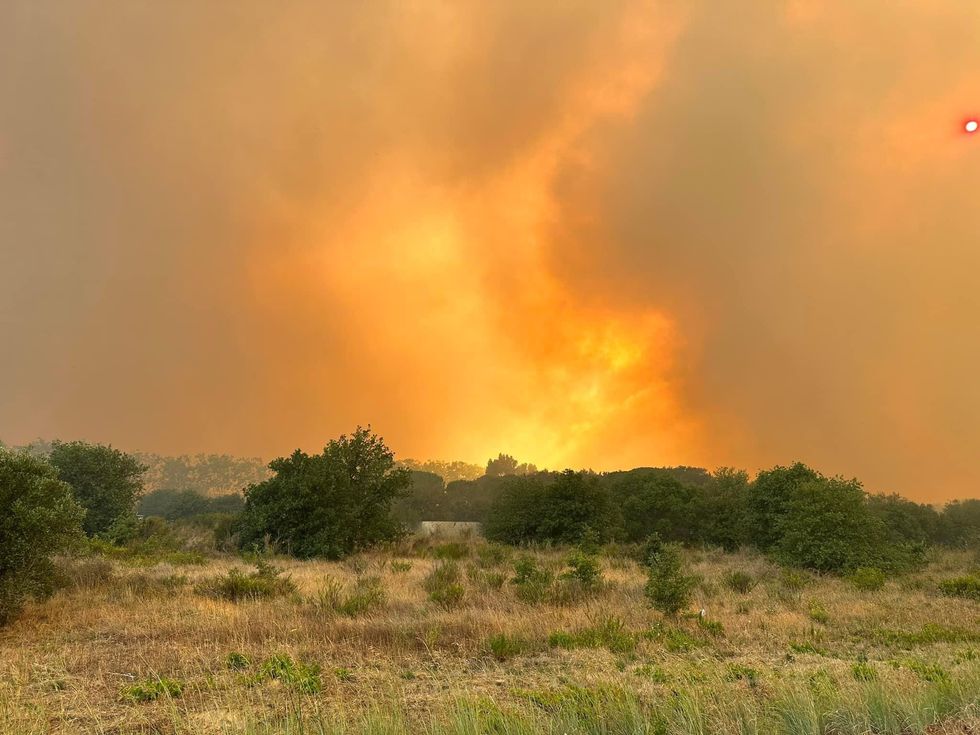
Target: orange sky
{"type": "Point", "coordinates": [591, 234]}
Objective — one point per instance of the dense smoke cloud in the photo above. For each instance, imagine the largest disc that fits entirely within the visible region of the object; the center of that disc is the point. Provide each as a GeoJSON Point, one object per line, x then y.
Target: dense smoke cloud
{"type": "Point", "coordinates": [597, 234]}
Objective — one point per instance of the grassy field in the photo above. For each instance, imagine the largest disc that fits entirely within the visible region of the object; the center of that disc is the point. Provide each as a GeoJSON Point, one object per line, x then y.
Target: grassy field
{"type": "Point", "coordinates": [133, 646]}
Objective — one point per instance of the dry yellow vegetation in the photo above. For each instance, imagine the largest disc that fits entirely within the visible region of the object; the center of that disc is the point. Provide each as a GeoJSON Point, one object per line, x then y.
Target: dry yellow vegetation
{"type": "Point", "coordinates": [359, 647]}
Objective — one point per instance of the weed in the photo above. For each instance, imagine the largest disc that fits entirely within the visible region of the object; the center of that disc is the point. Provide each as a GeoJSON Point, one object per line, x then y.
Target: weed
{"type": "Point", "coordinates": [265, 582]}
{"type": "Point", "coordinates": [867, 579]}
{"type": "Point", "coordinates": [444, 585]}
{"type": "Point", "coordinates": [741, 582]}
{"type": "Point", "coordinates": [966, 586]}
{"type": "Point", "coordinates": [300, 676]}
{"type": "Point", "coordinates": [368, 594]}
{"type": "Point", "coordinates": [503, 646]}
{"type": "Point", "coordinates": [863, 671]}
{"type": "Point", "coordinates": [400, 567]}
{"type": "Point", "coordinates": [237, 661]}
{"type": "Point", "coordinates": [150, 690]}
{"type": "Point", "coordinates": [611, 634]}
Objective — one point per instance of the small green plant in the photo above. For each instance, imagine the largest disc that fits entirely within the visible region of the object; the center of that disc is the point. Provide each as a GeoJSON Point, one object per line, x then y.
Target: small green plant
{"type": "Point", "coordinates": [863, 671]}
{"type": "Point", "coordinates": [668, 589]}
{"type": "Point", "coordinates": [933, 673]}
{"type": "Point", "coordinates": [674, 640]}
{"type": "Point", "coordinates": [650, 549]}
{"type": "Point", "coordinates": [867, 579]}
{"type": "Point", "coordinates": [503, 646]}
{"type": "Point", "coordinates": [237, 661]}
{"type": "Point", "coordinates": [150, 690]}
{"type": "Point", "coordinates": [533, 584]}
{"type": "Point", "coordinates": [610, 633]}
{"type": "Point", "coordinates": [492, 555]}
{"type": "Point", "coordinates": [794, 580]}
{"type": "Point", "coordinates": [452, 551]}
{"type": "Point", "coordinates": [714, 628]}
{"type": "Point", "coordinates": [807, 647]}
{"type": "Point", "coordinates": [654, 673]}
{"type": "Point", "coordinates": [818, 613]}
{"type": "Point", "coordinates": [400, 567]}
{"type": "Point", "coordinates": [444, 585]}
{"type": "Point", "coordinates": [367, 595]}
{"type": "Point", "coordinates": [265, 582]}
{"type": "Point", "coordinates": [585, 571]}
{"type": "Point", "coordinates": [738, 672]}
{"type": "Point", "coordinates": [967, 587]}
{"type": "Point", "coordinates": [739, 581]}
{"type": "Point", "coordinates": [343, 674]}
{"type": "Point", "coordinates": [300, 676]}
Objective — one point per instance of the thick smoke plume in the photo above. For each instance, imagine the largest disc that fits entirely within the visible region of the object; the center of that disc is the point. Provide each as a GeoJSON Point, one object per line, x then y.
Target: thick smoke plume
{"type": "Point", "coordinates": [590, 234]}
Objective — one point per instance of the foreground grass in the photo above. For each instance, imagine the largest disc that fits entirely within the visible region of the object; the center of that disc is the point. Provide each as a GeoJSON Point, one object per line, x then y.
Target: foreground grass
{"type": "Point", "coordinates": [151, 649]}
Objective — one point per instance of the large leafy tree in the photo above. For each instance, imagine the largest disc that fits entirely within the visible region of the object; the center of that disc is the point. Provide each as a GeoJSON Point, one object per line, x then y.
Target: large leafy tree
{"type": "Point", "coordinates": [828, 527]}
{"type": "Point", "coordinates": [38, 518]}
{"type": "Point", "coordinates": [566, 508]}
{"type": "Point", "coordinates": [769, 499]}
{"type": "Point", "coordinates": [329, 504]}
{"type": "Point", "coordinates": [105, 481]}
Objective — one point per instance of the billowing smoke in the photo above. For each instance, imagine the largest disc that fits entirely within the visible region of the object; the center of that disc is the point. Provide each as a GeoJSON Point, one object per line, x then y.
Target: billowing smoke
{"type": "Point", "coordinates": [596, 234]}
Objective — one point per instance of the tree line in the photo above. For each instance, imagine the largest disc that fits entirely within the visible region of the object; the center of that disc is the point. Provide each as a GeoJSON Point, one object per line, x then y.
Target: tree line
{"type": "Point", "coordinates": [354, 495]}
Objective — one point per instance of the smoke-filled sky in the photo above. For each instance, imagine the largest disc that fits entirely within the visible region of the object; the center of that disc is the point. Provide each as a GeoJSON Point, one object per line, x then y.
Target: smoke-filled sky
{"type": "Point", "coordinates": [597, 234]}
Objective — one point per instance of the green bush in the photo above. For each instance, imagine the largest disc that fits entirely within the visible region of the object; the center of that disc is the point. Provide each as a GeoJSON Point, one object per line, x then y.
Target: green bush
{"type": "Point", "coordinates": [967, 587]}
{"type": "Point", "coordinates": [668, 589]}
{"type": "Point", "coordinates": [444, 585]}
{"type": "Point", "coordinates": [492, 555]}
{"type": "Point", "coordinates": [400, 567]}
{"type": "Point", "coordinates": [150, 690]}
{"type": "Point", "coordinates": [739, 581]}
{"type": "Point", "coordinates": [867, 579]}
{"type": "Point", "coordinates": [265, 582]}
{"type": "Point", "coordinates": [39, 518]}
{"type": "Point", "coordinates": [863, 671]}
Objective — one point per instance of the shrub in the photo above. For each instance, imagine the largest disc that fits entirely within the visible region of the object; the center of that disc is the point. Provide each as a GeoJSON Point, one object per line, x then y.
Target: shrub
{"type": "Point", "coordinates": [967, 587]}
{"type": "Point", "coordinates": [152, 689]}
{"type": "Point", "coordinates": [444, 585]}
{"type": "Point", "coordinates": [400, 567]}
{"type": "Point", "coordinates": [265, 582]}
{"type": "Point", "coordinates": [668, 589]}
{"type": "Point", "coordinates": [300, 676]}
{"type": "Point", "coordinates": [328, 505]}
{"type": "Point", "coordinates": [739, 581]}
{"type": "Point", "coordinates": [867, 579]}
{"type": "Point", "coordinates": [533, 584]}
{"type": "Point", "coordinates": [585, 570]}
{"type": "Point", "coordinates": [367, 594]}
{"type": "Point", "coordinates": [38, 519]}
{"type": "Point", "coordinates": [794, 580]}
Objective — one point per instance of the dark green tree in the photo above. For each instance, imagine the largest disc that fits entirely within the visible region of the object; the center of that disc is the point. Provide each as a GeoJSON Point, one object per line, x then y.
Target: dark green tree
{"type": "Point", "coordinates": [959, 524]}
{"type": "Point", "coordinates": [722, 510]}
{"type": "Point", "coordinates": [104, 481]}
{"type": "Point", "coordinates": [668, 588]}
{"type": "Point", "coordinates": [906, 521]}
{"type": "Point", "coordinates": [505, 464]}
{"type": "Point", "coordinates": [38, 519]}
{"type": "Point", "coordinates": [327, 505]}
{"type": "Point", "coordinates": [769, 498]}
{"type": "Point", "coordinates": [565, 508]}
{"type": "Point", "coordinates": [828, 527]}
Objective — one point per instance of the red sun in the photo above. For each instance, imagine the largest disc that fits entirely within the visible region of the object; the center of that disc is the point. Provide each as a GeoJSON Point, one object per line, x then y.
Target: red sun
{"type": "Point", "coordinates": [971, 126]}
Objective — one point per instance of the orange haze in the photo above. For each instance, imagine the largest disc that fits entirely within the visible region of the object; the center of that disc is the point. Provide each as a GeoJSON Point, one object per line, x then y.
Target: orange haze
{"type": "Point", "coordinates": [597, 234]}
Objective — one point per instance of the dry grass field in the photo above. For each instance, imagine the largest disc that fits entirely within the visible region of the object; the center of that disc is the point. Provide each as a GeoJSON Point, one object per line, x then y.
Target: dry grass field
{"type": "Point", "coordinates": [132, 646]}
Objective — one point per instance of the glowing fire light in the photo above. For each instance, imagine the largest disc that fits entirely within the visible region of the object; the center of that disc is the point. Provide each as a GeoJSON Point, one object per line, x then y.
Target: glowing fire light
{"type": "Point", "coordinates": [972, 126]}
